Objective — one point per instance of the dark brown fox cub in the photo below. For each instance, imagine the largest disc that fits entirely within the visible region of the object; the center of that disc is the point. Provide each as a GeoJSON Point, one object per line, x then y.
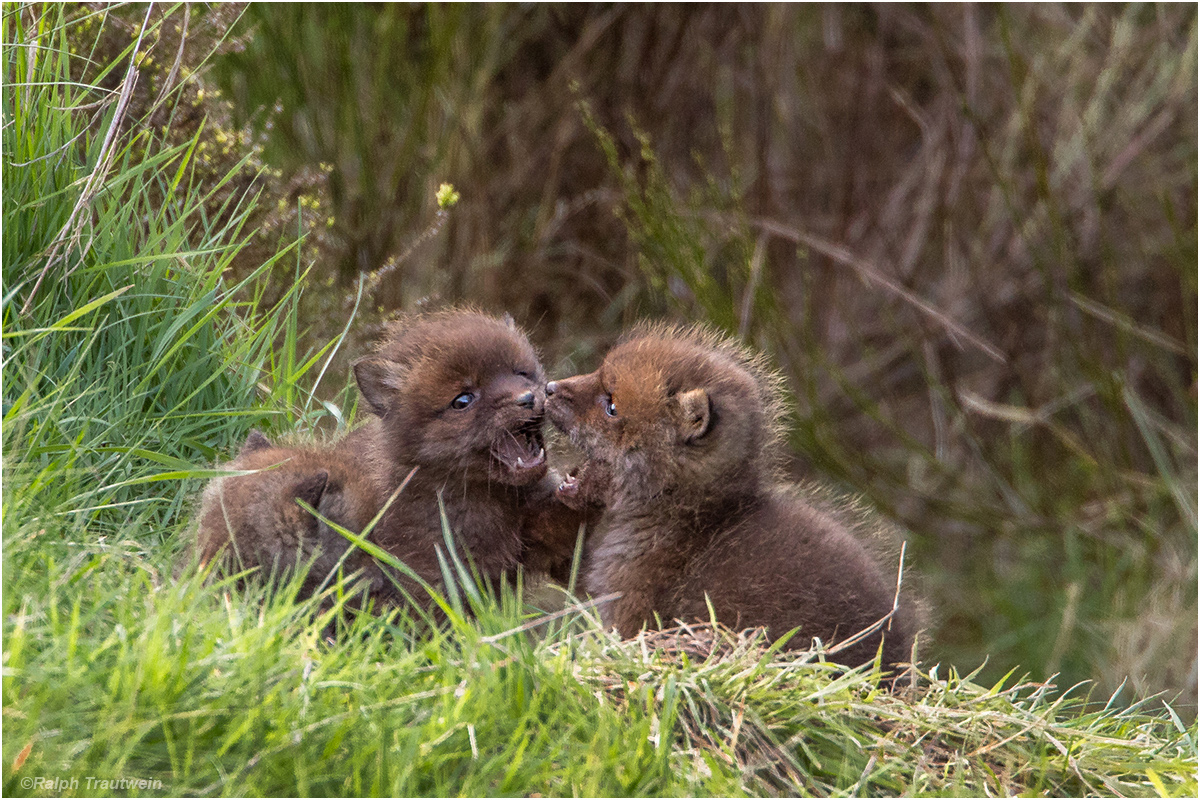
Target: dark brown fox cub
{"type": "Point", "coordinates": [459, 397]}
{"type": "Point", "coordinates": [255, 519]}
{"type": "Point", "coordinates": [680, 429]}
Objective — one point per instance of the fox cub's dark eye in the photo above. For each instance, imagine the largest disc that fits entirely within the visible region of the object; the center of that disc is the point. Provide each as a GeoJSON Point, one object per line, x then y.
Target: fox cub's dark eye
{"type": "Point", "coordinates": [610, 407]}
{"type": "Point", "coordinates": [462, 401]}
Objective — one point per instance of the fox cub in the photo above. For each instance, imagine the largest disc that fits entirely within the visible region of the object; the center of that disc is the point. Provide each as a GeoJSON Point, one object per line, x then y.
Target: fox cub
{"type": "Point", "coordinates": [680, 432]}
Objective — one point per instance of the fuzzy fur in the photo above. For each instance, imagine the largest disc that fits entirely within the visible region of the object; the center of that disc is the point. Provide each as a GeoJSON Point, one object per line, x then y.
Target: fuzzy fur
{"type": "Point", "coordinates": [681, 429]}
{"type": "Point", "coordinates": [483, 459]}
{"type": "Point", "coordinates": [254, 519]}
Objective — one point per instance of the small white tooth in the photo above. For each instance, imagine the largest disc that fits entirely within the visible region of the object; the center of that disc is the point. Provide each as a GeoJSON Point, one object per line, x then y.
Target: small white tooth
{"type": "Point", "coordinates": [541, 453]}
{"type": "Point", "coordinates": [520, 463]}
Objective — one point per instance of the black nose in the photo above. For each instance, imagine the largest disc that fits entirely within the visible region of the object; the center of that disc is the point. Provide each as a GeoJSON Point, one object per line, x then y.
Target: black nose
{"type": "Point", "coordinates": [551, 388]}
{"type": "Point", "coordinates": [527, 400]}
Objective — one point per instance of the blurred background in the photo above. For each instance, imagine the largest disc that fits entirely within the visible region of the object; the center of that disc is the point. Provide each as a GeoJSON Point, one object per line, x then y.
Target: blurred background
{"type": "Point", "coordinates": [966, 234]}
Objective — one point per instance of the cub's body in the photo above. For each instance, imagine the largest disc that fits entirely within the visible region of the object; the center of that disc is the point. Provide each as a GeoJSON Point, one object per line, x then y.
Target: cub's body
{"type": "Point", "coordinates": [253, 520]}
{"type": "Point", "coordinates": [680, 432]}
{"type": "Point", "coordinates": [457, 400]}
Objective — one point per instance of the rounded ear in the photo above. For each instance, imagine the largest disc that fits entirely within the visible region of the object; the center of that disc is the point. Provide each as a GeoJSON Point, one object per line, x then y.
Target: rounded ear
{"type": "Point", "coordinates": [695, 414]}
{"type": "Point", "coordinates": [376, 382]}
{"type": "Point", "coordinates": [311, 488]}
{"type": "Point", "coordinates": [509, 321]}
{"type": "Point", "coordinates": [255, 442]}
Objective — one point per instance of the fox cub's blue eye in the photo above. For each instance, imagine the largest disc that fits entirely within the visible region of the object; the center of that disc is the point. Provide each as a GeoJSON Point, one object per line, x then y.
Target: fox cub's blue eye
{"type": "Point", "coordinates": [610, 407]}
{"type": "Point", "coordinates": [462, 401]}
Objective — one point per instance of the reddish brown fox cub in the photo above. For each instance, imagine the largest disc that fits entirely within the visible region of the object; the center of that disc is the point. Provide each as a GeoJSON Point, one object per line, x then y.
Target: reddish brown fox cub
{"type": "Point", "coordinates": [679, 429]}
{"type": "Point", "coordinates": [256, 520]}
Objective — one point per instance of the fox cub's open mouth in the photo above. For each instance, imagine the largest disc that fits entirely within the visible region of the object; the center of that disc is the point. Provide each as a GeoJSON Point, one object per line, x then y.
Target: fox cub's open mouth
{"type": "Point", "coordinates": [522, 451]}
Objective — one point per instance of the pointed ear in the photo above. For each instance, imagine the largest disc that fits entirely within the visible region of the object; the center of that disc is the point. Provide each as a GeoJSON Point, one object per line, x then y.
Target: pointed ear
{"type": "Point", "coordinates": [509, 321]}
{"type": "Point", "coordinates": [376, 381]}
{"type": "Point", "coordinates": [311, 488]}
{"type": "Point", "coordinates": [255, 442]}
{"type": "Point", "coordinates": [695, 414]}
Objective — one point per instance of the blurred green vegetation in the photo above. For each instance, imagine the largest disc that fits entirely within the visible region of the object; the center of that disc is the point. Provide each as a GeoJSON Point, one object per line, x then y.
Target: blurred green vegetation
{"type": "Point", "coordinates": [966, 234]}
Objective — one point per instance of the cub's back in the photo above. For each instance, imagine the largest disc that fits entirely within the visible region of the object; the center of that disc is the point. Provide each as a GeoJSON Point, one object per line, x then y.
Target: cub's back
{"type": "Point", "coordinates": [255, 521]}
{"type": "Point", "coordinates": [788, 564]}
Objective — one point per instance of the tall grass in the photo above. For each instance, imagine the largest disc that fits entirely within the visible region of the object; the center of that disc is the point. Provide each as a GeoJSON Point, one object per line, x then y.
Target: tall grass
{"type": "Point", "coordinates": [219, 690]}
{"type": "Point", "coordinates": [129, 358]}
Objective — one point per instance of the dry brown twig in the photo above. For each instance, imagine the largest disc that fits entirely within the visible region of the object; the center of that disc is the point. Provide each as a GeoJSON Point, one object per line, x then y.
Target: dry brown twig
{"type": "Point", "coordinates": [174, 73]}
